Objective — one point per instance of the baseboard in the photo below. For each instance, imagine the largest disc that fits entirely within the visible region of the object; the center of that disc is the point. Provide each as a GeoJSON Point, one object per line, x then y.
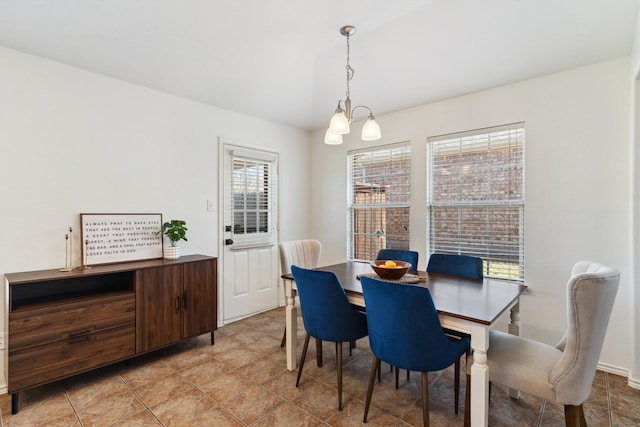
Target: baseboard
{"type": "Point", "coordinates": [616, 370]}
{"type": "Point", "coordinates": [613, 369]}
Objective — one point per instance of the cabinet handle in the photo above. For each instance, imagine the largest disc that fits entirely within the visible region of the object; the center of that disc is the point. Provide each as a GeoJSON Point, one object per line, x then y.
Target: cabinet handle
{"type": "Point", "coordinates": [76, 340]}
{"type": "Point", "coordinates": [79, 333]}
{"type": "Point", "coordinates": [184, 301]}
{"type": "Point", "coordinates": [178, 304]}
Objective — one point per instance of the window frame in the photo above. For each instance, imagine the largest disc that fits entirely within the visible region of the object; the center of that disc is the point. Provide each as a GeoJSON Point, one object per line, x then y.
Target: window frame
{"type": "Point", "coordinates": [256, 172]}
{"type": "Point", "coordinates": [492, 243]}
{"type": "Point", "coordinates": [378, 208]}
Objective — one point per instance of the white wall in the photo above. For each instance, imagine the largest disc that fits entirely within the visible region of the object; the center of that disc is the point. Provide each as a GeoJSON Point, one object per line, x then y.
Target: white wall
{"type": "Point", "coordinates": [73, 141]}
{"type": "Point", "coordinates": [577, 184]}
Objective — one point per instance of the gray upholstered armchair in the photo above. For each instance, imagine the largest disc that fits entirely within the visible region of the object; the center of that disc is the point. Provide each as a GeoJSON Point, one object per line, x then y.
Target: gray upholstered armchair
{"type": "Point", "coordinates": [564, 373]}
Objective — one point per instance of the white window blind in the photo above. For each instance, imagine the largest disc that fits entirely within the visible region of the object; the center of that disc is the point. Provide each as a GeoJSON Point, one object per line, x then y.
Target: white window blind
{"type": "Point", "coordinates": [252, 184]}
{"type": "Point", "coordinates": [475, 197]}
{"type": "Point", "coordinates": [379, 198]}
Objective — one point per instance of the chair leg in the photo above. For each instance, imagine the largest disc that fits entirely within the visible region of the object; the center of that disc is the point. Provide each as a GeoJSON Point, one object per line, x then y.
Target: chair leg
{"type": "Point", "coordinates": [408, 373]}
{"type": "Point", "coordinates": [302, 357]}
{"type": "Point", "coordinates": [425, 399]}
{"type": "Point", "coordinates": [284, 338]}
{"type": "Point", "coordinates": [380, 372]}
{"type": "Point", "coordinates": [397, 375]}
{"type": "Point", "coordinates": [456, 384]}
{"type": "Point", "coordinates": [339, 356]}
{"type": "Point", "coordinates": [319, 352]}
{"type": "Point", "coordinates": [467, 403]}
{"type": "Point", "coordinates": [574, 416]}
{"type": "Point", "coordinates": [375, 367]}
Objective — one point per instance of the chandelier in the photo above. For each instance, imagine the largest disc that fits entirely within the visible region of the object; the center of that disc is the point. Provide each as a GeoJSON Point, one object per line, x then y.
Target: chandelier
{"type": "Point", "coordinates": [341, 120]}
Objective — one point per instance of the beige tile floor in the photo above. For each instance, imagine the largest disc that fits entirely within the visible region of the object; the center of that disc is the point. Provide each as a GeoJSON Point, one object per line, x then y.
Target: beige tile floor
{"type": "Point", "coordinates": [242, 381]}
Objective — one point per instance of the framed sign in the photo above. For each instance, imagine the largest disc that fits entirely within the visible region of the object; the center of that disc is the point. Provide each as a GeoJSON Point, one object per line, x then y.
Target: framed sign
{"type": "Point", "coordinates": [109, 238]}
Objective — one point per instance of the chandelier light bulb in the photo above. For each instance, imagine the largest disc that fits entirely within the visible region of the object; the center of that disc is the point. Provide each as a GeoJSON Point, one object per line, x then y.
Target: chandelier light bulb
{"type": "Point", "coordinates": [339, 123]}
{"type": "Point", "coordinates": [371, 130]}
{"type": "Point", "coordinates": [331, 138]}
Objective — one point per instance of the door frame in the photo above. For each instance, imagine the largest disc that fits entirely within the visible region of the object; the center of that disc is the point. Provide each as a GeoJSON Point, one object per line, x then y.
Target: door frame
{"type": "Point", "coordinates": [222, 143]}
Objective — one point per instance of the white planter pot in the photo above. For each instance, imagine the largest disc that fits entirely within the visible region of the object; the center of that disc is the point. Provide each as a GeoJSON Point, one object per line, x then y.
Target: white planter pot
{"type": "Point", "coordinates": [172, 252]}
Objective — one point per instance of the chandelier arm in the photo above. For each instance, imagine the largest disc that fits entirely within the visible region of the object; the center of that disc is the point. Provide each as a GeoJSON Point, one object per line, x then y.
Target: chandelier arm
{"type": "Point", "coordinates": [360, 106]}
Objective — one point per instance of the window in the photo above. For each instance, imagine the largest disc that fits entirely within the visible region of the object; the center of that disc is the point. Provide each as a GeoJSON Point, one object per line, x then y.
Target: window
{"type": "Point", "coordinates": [475, 197]}
{"type": "Point", "coordinates": [379, 196]}
{"type": "Point", "coordinates": [252, 181]}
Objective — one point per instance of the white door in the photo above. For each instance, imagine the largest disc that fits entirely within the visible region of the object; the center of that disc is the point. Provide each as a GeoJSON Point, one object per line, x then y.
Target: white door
{"type": "Point", "coordinates": [249, 254]}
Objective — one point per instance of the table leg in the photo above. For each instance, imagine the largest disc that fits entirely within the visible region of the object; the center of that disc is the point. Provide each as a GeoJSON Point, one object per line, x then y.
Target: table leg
{"type": "Point", "coordinates": [479, 376]}
{"type": "Point", "coordinates": [291, 321]}
{"type": "Point", "coordinates": [514, 329]}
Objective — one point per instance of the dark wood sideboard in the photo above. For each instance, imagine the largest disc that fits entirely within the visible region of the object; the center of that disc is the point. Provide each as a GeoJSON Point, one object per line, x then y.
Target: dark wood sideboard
{"type": "Point", "coordinates": [65, 323]}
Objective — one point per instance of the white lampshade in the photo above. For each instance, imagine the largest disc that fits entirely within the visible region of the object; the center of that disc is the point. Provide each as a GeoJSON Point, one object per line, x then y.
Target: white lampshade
{"type": "Point", "coordinates": [371, 130]}
{"type": "Point", "coordinates": [332, 138]}
{"type": "Point", "coordinates": [339, 123]}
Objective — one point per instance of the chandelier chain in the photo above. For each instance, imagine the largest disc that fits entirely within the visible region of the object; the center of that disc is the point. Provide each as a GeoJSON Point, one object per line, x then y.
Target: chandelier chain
{"type": "Point", "coordinates": [350, 71]}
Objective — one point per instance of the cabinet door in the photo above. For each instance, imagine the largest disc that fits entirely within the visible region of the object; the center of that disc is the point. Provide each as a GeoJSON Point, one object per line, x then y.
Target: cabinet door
{"type": "Point", "coordinates": [200, 297]}
{"type": "Point", "coordinates": [158, 300]}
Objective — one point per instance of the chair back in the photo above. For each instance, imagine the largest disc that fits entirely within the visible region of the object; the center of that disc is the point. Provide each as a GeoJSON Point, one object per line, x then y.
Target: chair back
{"type": "Point", "coordinates": [303, 253]}
{"type": "Point", "coordinates": [326, 312]}
{"type": "Point", "coordinates": [456, 265]}
{"type": "Point", "coordinates": [404, 328]}
{"type": "Point", "coordinates": [400, 255]}
{"type": "Point", "coordinates": [591, 292]}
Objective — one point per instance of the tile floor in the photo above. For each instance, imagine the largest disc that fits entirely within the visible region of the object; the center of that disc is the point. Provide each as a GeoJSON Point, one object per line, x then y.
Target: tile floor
{"type": "Point", "coordinates": [242, 381]}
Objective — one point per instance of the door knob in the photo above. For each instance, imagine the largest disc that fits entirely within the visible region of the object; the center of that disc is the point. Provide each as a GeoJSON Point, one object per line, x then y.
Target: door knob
{"type": "Point", "coordinates": [228, 242]}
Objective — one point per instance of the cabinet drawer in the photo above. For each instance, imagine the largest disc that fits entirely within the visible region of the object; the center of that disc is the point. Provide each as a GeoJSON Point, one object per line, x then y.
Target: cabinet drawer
{"type": "Point", "coordinates": [44, 325]}
{"type": "Point", "coordinates": [45, 363]}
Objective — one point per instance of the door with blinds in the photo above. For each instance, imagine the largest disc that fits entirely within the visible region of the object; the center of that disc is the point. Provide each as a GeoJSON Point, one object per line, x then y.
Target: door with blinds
{"type": "Point", "coordinates": [250, 257]}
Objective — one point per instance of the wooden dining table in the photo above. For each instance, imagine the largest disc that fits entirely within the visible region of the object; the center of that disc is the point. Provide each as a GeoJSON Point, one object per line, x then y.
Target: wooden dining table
{"type": "Point", "coordinates": [466, 305]}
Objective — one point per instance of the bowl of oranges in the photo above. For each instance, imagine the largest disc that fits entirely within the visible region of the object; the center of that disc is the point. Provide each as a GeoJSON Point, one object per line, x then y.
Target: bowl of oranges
{"type": "Point", "coordinates": [390, 269]}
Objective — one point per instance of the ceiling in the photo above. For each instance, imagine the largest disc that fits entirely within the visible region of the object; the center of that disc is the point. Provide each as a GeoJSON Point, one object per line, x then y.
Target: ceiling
{"type": "Point", "coordinates": [284, 60]}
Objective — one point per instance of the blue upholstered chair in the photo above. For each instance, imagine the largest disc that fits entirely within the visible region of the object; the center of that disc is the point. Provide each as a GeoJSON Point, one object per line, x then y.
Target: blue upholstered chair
{"type": "Point", "coordinates": [456, 265]}
{"type": "Point", "coordinates": [327, 314]}
{"type": "Point", "coordinates": [400, 255]}
{"type": "Point", "coordinates": [405, 331]}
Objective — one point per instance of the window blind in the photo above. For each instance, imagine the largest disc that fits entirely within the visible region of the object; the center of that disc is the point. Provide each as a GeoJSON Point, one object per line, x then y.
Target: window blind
{"type": "Point", "coordinates": [252, 183]}
{"type": "Point", "coordinates": [475, 197]}
{"type": "Point", "coordinates": [378, 200]}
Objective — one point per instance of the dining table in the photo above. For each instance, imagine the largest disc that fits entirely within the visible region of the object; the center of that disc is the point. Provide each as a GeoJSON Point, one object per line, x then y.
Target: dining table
{"type": "Point", "coordinates": [471, 306]}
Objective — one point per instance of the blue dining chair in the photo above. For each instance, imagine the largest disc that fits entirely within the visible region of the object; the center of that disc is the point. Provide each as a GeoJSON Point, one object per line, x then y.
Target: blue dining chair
{"type": "Point", "coordinates": [400, 255]}
{"type": "Point", "coordinates": [327, 314]}
{"type": "Point", "coordinates": [456, 265]}
{"type": "Point", "coordinates": [405, 331]}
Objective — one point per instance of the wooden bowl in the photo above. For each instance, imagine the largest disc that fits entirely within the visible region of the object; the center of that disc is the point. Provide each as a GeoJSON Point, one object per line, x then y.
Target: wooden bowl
{"type": "Point", "coordinates": [392, 273]}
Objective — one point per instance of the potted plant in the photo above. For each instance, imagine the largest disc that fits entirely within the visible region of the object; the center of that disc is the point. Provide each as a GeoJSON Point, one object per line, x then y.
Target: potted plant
{"type": "Point", "coordinates": [175, 231]}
